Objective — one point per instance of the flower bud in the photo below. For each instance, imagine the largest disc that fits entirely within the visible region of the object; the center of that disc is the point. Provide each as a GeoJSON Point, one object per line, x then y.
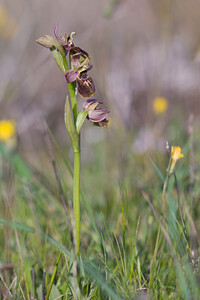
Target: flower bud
{"type": "Point", "coordinates": [175, 156]}
{"type": "Point", "coordinates": [49, 42]}
{"type": "Point", "coordinates": [45, 42]}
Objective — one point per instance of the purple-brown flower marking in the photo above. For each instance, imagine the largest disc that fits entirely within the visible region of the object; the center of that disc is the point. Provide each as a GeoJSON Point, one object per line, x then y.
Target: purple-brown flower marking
{"type": "Point", "coordinates": [96, 114]}
{"type": "Point", "coordinates": [85, 83]}
{"type": "Point", "coordinates": [79, 57]}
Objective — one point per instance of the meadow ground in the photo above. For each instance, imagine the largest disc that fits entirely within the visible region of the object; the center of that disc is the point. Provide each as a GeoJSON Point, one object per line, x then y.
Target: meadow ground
{"type": "Point", "coordinates": [121, 215]}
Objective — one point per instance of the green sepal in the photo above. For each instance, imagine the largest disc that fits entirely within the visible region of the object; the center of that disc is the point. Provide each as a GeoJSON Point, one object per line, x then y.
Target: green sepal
{"type": "Point", "coordinates": [56, 44]}
{"type": "Point", "coordinates": [80, 119]}
{"type": "Point", "coordinates": [69, 123]}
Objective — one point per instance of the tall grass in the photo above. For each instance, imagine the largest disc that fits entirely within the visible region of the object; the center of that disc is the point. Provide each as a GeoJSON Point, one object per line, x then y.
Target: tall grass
{"type": "Point", "coordinates": [118, 235]}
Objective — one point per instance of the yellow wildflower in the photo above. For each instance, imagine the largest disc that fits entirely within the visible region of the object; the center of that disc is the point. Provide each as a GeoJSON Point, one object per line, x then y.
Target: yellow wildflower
{"type": "Point", "coordinates": [176, 153]}
{"type": "Point", "coordinates": [160, 105]}
{"type": "Point", "coordinates": [175, 156]}
{"type": "Point", "coordinates": [7, 130]}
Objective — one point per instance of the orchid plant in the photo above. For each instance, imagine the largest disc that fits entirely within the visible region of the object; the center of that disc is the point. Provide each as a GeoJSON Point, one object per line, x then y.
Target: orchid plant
{"type": "Point", "coordinates": [74, 63]}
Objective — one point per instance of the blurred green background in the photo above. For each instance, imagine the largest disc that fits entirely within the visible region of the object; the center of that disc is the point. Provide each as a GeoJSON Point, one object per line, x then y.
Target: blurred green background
{"type": "Point", "coordinates": [140, 51]}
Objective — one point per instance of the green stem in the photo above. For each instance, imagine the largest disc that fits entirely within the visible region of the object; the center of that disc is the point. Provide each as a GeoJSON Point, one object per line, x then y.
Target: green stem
{"type": "Point", "coordinates": [164, 195]}
{"type": "Point", "coordinates": [76, 200]}
{"type": "Point", "coordinates": [63, 65]}
{"type": "Point", "coordinates": [72, 89]}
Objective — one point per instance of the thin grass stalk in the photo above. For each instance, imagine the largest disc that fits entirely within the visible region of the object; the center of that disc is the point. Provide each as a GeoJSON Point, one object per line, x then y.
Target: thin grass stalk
{"type": "Point", "coordinates": [55, 270]}
{"type": "Point", "coordinates": [159, 229]}
{"type": "Point", "coordinates": [154, 257]}
{"type": "Point", "coordinates": [33, 282]}
{"type": "Point", "coordinates": [43, 284]}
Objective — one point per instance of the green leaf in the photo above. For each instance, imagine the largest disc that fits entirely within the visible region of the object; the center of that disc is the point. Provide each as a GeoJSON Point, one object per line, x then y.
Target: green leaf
{"type": "Point", "coordinates": [60, 60]}
{"type": "Point", "coordinates": [157, 170]}
{"type": "Point", "coordinates": [69, 123]}
{"type": "Point", "coordinates": [80, 119]}
{"type": "Point", "coordinates": [16, 225]}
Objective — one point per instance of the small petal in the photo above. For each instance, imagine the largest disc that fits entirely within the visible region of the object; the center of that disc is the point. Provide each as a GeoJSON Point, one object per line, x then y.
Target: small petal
{"type": "Point", "coordinates": [75, 58]}
{"type": "Point", "coordinates": [176, 153]}
{"type": "Point", "coordinates": [71, 76]}
{"type": "Point", "coordinates": [80, 59]}
{"type": "Point", "coordinates": [78, 50]}
{"type": "Point", "coordinates": [89, 104]}
{"type": "Point", "coordinates": [98, 115]}
{"type": "Point", "coordinates": [55, 29]}
{"type": "Point", "coordinates": [66, 41]}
